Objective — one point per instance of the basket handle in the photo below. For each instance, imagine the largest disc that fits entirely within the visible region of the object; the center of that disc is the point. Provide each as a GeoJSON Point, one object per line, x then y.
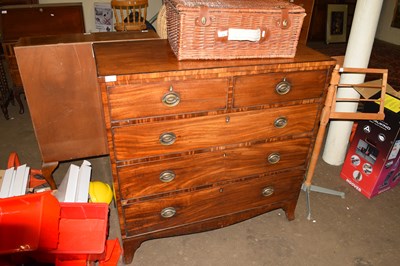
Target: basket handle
{"type": "Point", "coordinates": [252, 35]}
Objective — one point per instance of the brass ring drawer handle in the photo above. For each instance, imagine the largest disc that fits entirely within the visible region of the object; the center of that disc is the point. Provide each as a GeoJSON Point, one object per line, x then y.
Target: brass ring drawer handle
{"type": "Point", "coordinates": [167, 138]}
{"type": "Point", "coordinates": [171, 99]}
{"type": "Point", "coordinates": [168, 212]}
{"type": "Point", "coordinates": [280, 122]}
{"type": "Point", "coordinates": [283, 87]}
{"type": "Point", "coordinates": [267, 191]}
{"type": "Point", "coordinates": [274, 158]}
{"type": "Point", "coordinates": [167, 176]}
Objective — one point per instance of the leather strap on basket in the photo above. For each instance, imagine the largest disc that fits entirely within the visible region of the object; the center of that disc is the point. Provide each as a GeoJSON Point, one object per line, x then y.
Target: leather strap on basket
{"type": "Point", "coordinates": [204, 18]}
{"type": "Point", "coordinates": [284, 21]}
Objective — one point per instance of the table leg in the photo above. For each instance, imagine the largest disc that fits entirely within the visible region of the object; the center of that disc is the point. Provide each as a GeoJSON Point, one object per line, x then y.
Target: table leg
{"type": "Point", "coordinates": [47, 172]}
{"type": "Point", "coordinates": [17, 95]}
{"type": "Point", "coordinates": [5, 111]}
{"type": "Point", "coordinates": [130, 248]}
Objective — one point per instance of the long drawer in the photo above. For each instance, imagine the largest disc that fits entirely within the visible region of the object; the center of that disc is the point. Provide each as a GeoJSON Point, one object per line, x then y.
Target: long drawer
{"type": "Point", "coordinates": [190, 171]}
{"type": "Point", "coordinates": [187, 208]}
{"type": "Point", "coordinates": [135, 141]}
{"type": "Point", "coordinates": [163, 98]}
{"type": "Point", "coordinates": [278, 87]}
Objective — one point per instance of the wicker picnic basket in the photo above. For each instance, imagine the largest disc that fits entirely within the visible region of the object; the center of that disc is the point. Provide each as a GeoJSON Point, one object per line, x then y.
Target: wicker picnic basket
{"type": "Point", "coordinates": [233, 29]}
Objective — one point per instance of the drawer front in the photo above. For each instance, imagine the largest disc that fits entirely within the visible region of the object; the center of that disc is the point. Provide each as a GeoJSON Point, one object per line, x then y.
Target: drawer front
{"type": "Point", "coordinates": [136, 141]}
{"type": "Point", "coordinates": [266, 157]}
{"type": "Point", "coordinates": [169, 175]}
{"type": "Point", "coordinates": [154, 178]}
{"type": "Point", "coordinates": [151, 99]}
{"type": "Point", "coordinates": [187, 208]}
{"type": "Point", "coordinates": [278, 87]}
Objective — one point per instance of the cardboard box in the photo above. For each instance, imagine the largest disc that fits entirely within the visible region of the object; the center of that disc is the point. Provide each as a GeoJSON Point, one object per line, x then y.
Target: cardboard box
{"type": "Point", "coordinates": [373, 159]}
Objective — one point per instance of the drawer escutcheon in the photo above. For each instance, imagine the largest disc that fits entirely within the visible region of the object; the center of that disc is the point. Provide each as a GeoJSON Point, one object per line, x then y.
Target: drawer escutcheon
{"type": "Point", "coordinates": [168, 212]}
{"type": "Point", "coordinates": [167, 138]}
{"type": "Point", "coordinates": [167, 176]}
{"type": "Point", "coordinates": [267, 191]}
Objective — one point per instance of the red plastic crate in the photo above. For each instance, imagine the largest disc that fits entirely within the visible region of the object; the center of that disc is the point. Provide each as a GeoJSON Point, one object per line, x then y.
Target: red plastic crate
{"type": "Point", "coordinates": [82, 233]}
{"type": "Point", "coordinates": [29, 222]}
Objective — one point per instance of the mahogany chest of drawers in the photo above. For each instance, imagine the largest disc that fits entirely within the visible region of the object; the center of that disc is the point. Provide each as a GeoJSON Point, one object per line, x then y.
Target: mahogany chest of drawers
{"type": "Point", "coordinates": [199, 145]}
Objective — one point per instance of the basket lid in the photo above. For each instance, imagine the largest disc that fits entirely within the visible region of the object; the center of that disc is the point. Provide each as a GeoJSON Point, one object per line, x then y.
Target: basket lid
{"type": "Point", "coordinates": [257, 6]}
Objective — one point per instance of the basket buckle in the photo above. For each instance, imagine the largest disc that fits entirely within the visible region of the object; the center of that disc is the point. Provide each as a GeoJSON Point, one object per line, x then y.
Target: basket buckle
{"type": "Point", "coordinates": [204, 18]}
{"type": "Point", "coordinates": [284, 21]}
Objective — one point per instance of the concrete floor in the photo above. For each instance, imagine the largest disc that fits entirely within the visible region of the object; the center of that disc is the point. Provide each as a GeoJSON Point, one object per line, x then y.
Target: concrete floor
{"type": "Point", "coordinates": [351, 231]}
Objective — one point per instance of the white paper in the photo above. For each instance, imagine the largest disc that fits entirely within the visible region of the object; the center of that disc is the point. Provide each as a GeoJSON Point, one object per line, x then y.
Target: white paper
{"type": "Point", "coordinates": [67, 190]}
{"type": "Point", "coordinates": [20, 181]}
{"type": "Point", "coordinates": [8, 180]}
{"type": "Point", "coordinates": [103, 17]}
{"type": "Point", "coordinates": [82, 189]}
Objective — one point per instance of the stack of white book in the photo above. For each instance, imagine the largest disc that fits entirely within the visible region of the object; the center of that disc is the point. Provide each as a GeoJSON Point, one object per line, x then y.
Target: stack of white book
{"type": "Point", "coordinates": [75, 185]}
{"type": "Point", "coordinates": [73, 188]}
{"type": "Point", "coordinates": [15, 181]}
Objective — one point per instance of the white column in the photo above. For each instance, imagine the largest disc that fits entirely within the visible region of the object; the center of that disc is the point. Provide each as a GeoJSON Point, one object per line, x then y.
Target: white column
{"type": "Point", "coordinates": [358, 52]}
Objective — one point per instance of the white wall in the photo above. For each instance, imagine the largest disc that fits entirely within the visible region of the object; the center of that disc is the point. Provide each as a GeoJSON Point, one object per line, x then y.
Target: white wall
{"type": "Point", "coordinates": [384, 31]}
{"type": "Point", "coordinates": [88, 9]}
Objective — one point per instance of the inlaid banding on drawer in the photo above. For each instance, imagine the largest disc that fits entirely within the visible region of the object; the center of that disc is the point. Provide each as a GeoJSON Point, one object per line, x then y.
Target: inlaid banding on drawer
{"type": "Point", "coordinates": [202, 169]}
{"type": "Point", "coordinates": [262, 89]}
{"type": "Point", "coordinates": [153, 99]}
{"type": "Point", "coordinates": [138, 141]}
{"type": "Point", "coordinates": [188, 208]}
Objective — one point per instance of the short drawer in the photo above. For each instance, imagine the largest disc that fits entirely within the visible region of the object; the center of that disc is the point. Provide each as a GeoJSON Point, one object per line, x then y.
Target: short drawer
{"type": "Point", "coordinates": [149, 179]}
{"type": "Point", "coordinates": [278, 87]}
{"type": "Point", "coordinates": [187, 208]}
{"type": "Point", "coordinates": [135, 141]}
{"type": "Point", "coordinates": [163, 98]}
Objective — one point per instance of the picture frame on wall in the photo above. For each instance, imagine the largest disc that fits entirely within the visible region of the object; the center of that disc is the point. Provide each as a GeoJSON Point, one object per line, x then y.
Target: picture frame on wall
{"type": "Point", "coordinates": [396, 16]}
{"type": "Point", "coordinates": [336, 24]}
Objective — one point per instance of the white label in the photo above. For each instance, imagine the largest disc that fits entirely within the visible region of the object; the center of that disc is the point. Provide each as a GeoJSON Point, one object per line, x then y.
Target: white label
{"type": "Point", "coordinates": [111, 78]}
{"type": "Point", "coordinates": [222, 33]}
{"type": "Point", "coordinates": [244, 35]}
{"type": "Point", "coordinates": [4, 12]}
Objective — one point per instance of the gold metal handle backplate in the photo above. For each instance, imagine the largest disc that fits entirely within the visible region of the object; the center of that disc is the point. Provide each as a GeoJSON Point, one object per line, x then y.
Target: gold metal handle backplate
{"type": "Point", "coordinates": [274, 158]}
{"type": "Point", "coordinates": [167, 176]}
{"type": "Point", "coordinates": [171, 99]}
{"type": "Point", "coordinates": [168, 212]}
{"type": "Point", "coordinates": [167, 138]}
{"type": "Point", "coordinates": [267, 191]}
{"type": "Point", "coordinates": [283, 87]}
{"type": "Point", "coordinates": [280, 122]}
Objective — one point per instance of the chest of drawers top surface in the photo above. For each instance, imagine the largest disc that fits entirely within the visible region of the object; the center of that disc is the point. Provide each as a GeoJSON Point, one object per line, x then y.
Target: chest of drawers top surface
{"type": "Point", "coordinates": [138, 57]}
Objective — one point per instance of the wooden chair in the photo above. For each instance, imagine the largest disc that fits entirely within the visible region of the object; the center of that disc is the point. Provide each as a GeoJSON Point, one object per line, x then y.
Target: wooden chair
{"type": "Point", "coordinates": [17, 86]}
{"type": "Point", "coordinates": [130, 15]}
{"type": "Point", "coordinates": [5, 92]}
